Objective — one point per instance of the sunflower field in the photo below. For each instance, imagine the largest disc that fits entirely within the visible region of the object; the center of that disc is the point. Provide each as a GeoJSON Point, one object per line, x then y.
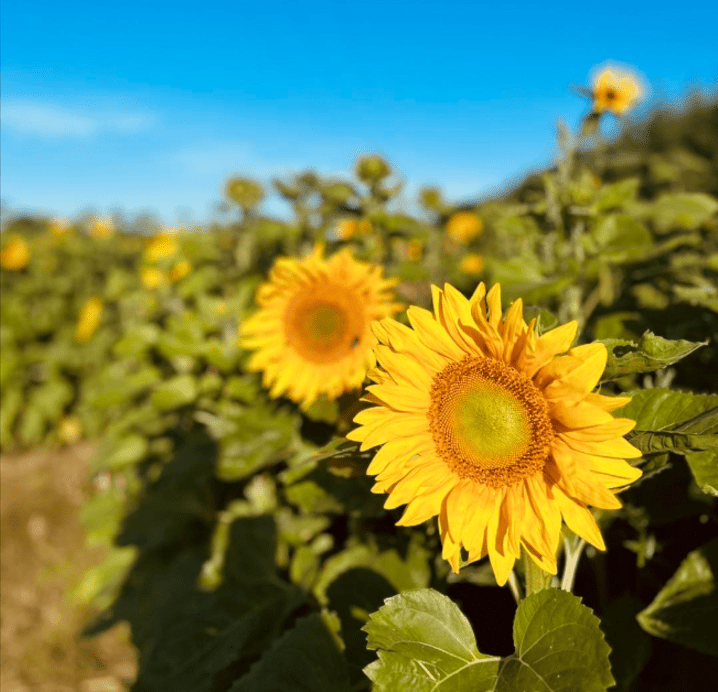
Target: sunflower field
{"type": "Point", "coordinates": [464, 448]}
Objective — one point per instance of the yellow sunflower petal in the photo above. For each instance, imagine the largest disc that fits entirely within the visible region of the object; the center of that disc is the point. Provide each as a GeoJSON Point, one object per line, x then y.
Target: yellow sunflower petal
{"type": "Point", "coordinates": [434, 336]}
{"type": "Point", "coordinates": [457, 507]}
{"type": "Point", "coordinates": [576, 373]}
{"type": "Point", "coordinates": [579, 519]}
{"type": "Point", "coordinates": [403, 340]}
{"type": "Point", "coordinates": [618, 447]}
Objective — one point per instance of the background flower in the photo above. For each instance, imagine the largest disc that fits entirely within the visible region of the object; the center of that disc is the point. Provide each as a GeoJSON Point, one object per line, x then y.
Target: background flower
{"type": "Point", "coordinates": [312, 332]}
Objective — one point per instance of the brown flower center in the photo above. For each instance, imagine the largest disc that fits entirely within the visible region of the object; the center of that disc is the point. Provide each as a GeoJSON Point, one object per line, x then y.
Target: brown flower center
{"type": "Point", "coordinates": [325, 323]}
{"type": "Point", "coordinates": [489, 422]}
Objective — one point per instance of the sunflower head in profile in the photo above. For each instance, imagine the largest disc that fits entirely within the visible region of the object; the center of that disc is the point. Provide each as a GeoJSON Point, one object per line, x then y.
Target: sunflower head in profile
{"type": "Point", "coordinates": [615, 91]}
{"type": "Point", "coordinates": [493, 429]}
{"type": "Point", "coordinates": [312, 333]}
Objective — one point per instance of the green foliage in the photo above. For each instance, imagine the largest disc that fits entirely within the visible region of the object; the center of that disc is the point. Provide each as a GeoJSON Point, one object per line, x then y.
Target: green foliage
{"type": "Point", "coordinates": [424, 642]}
{"type": "Point", "coordinates": [649, 354]}
{"type": "Point", "coordinates": [685, 609]}
{"type": "Point", "coordinates": [677, 422]}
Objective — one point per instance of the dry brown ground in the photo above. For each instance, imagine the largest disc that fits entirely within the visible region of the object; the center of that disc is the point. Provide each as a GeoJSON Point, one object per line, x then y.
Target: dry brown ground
{"type": "Point", "coordinates": [43, 552]}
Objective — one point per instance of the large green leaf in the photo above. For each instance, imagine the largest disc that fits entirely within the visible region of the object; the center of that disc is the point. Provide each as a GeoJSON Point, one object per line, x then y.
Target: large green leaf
{"type": "Point", "coordinates": [686, 608]}
{"type": "Point", "coordinates": [622, 238]}
{"type": "Point", "coordinates": [683, 210]}
{"type": "Point", "coordinates": [616, 195]}
{"type": "Point", "coordinates": [304, 659]}
{"type": "Point", "coordinates": [118, 454]}
{"type": "Point", "coordinates": [173, 393]}
{"type": "Point", "coordinates": [426, 644]}
{"type": "Point", "coordinates": [559, 647]}
{"type": "Point", "coordinates": [650, 353]}
{"type": "Point", "coordinates": [678, 422]}
{"type": "Point", "coordinates": [664, 409]}
{"type": "Point", "coordinates": [704, 466]}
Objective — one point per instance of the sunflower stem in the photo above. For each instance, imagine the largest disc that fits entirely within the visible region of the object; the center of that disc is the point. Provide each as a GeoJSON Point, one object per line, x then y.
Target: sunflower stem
{"type": "Point", "coordinates": [515, 587]}
{"type": "Point", "coordinates": [536, 578]}
{"type": "Point", "coordinates": [574, 547]}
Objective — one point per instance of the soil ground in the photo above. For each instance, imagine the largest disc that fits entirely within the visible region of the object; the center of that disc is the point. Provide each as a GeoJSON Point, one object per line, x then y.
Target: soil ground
{"type": "Point", "coordinates": [43, 554]}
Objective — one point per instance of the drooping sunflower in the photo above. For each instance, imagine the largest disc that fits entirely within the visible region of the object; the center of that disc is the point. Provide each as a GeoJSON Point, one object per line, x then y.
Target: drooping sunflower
{"type": "Point", "coordinates": [615, 91]}
{"type": "Point", "coordinates": [312, 333]}
{"type": "Point", "coordinates": [489, 427]}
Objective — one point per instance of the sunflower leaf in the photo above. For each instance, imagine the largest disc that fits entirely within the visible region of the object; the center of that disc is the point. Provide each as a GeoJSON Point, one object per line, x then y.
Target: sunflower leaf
{"type": "Point", "coordinates": [685, 610]}
{"type": "Point", "coordinates": [704, 466]}
{"type": "Point", "coordinates": [304, 659]}
{"type": "Point", "coordinates": [426, 644]}
{"type": "Point", "coordinates": [559, 646]}
{"type": "Point", "coordinates": [650, 353]}
{"type": "Point", "coordinates": [667, 410]}
{"type": "Point", "coordinates": [678, 422]}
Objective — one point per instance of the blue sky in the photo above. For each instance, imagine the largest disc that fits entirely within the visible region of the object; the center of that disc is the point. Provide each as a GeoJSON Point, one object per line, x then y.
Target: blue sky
{"type": "Point", "coordinates": [127, 106]}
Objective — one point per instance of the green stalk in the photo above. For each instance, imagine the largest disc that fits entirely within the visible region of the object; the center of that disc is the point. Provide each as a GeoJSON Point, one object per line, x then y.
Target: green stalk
{"type": "Point", "coordinates": [536, 578]}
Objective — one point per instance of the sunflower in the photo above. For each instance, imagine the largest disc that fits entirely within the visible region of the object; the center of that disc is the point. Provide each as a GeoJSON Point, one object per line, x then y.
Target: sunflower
{"type": "Point", "coordinates": [312, 332]}
{"type": "Point", "coordinates": [102, 227]}
{"type": "Point", "coordinates": [464, 226]}
{"type": "Point", "coordinates": [162, 246]}
{"type": "Point", "coordinates": [471, 263]}
{"type": "Point", "coordinates": [346, 229]}
{"type": "Point", "coordinates": [59, 227]}
{"type": "Point", "coordinates": [89, 320]}
{"type": "Point", "coordinates": [153, 277]}
{"type": "Point", "coordinates": [69, 430]}
{"type": "Point", "coordinates": [487, 426]}
{"type": "Point", "coordinates": [180, 270]}
{"type": "Point", "coordinates": [615, 91]}
{"type": "Point", "coordinates": [15, 255]}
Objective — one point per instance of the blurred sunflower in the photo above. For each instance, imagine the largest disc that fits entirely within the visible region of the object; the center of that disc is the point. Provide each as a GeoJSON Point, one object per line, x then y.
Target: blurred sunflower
{"type": "Point", "coordinates": [615, 91]}
{"type": "Point", "coordinates": [312, 332]}
{"type": "Point", "coordinates": [346, 229]}
{"type": "Point", "coordinates": [15, 255]}
{"type": "Point", "coordinates": [162, 246]}
{"type": "Point", "coordinates": [89, 320]}
{"type": "Point", "coordinates": [181, 269]}
{"type": "Point", "coordinates": [69, 430]}
{"type": "Point", "coordinates": [60, 227]}
{"type": "Point", "coordinates": [102, 227]}
{"type": "Point", "coordinates": [464, 226]}
{"type": "Point", "coordinates": [485, 425]}
{"type": "Point", "coordinates": [152, 277]}
{"type": "Point", "coordinates": [471, 263]}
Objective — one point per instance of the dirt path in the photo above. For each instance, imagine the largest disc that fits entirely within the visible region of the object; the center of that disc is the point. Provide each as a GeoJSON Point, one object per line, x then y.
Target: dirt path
{"type": "Point", "coordinates": [43, 552]}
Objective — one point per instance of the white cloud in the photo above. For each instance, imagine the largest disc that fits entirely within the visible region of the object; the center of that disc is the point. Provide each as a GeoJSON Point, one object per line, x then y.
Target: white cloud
{"type": "Point", "coordinates": [39, 118]}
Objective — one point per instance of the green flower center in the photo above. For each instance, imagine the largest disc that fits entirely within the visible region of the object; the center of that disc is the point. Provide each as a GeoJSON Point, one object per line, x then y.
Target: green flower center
{"type": "Point", "coordinates": [489, 422]}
